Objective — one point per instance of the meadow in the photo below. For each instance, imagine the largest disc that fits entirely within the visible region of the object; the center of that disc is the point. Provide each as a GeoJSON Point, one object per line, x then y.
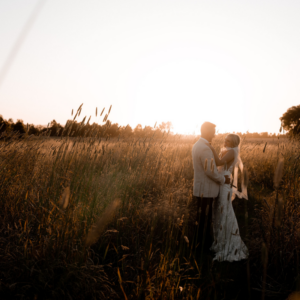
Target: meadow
{"type": "Point", "coordinates": [85, 218]}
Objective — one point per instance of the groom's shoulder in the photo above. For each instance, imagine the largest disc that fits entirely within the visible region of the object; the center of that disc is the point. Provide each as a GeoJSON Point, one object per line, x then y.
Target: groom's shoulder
{"type": "Point", "coordinates": [200, 144]}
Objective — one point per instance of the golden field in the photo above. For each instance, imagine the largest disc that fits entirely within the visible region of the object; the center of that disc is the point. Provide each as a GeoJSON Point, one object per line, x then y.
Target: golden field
{"type": "Point", "coordinates": [83, 218]}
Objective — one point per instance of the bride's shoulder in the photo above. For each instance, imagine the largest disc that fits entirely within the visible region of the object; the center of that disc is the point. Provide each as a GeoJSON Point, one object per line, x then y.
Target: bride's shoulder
{"type": "Point", "coordinates": [231, 151]}
{"type": "Point", "coordinates": [225, 151]}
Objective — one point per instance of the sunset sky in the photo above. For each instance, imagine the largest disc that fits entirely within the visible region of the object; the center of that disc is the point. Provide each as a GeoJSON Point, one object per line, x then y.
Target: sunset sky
{"type": "Point", "coordinates": [233, 63]}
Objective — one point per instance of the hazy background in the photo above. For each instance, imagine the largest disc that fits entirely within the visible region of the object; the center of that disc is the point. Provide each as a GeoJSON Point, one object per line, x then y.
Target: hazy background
{"type": "Point", "coordinates": [234, 63]}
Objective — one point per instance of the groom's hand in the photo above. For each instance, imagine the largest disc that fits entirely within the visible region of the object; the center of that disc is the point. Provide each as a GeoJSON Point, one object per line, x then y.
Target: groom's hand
{"type": "Point", "coordinates": [227, 179]}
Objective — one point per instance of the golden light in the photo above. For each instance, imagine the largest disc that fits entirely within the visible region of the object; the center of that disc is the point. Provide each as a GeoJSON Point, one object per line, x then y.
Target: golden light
{"type": "Point", "coordinates": [189, 92]}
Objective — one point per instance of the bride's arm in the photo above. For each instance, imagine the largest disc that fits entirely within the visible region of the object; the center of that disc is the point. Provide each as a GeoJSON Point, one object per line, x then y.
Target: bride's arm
{"type": "Point", "coordinates": [226, 158]}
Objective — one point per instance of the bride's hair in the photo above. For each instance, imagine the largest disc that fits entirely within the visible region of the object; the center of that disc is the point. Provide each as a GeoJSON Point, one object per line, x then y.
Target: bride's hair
{"type": "Point", "coordinates": [235, 139]}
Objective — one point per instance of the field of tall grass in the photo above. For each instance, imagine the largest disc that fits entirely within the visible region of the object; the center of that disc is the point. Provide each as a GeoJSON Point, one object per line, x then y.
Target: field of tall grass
{"type": "Point", "coordinates": [83, 218]}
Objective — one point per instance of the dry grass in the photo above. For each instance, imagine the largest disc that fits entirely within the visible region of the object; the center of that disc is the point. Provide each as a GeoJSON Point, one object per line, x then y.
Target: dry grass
{"type": "Point", "coordinates": [64, 234]}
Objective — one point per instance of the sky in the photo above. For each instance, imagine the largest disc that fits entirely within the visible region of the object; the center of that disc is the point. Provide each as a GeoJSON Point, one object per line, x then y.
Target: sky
{"type": "Point", "coordinates": [233, 63]}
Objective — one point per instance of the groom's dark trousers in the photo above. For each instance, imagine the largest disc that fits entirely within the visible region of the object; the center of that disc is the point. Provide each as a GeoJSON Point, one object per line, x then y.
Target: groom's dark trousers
{"type": "Point", "coordinates": [204, 217]}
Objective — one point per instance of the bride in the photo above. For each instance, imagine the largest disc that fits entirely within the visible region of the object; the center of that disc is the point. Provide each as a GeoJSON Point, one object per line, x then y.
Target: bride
{"type": "Point", "coordinates": [228, 244]}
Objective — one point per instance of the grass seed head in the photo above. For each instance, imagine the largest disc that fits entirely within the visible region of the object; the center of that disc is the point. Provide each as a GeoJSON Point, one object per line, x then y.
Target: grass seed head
{"type": "Point", "coordinates": [278, 173]}
{"type": "Point", "coordinates": [171, 199]}
{"type": "Point", "coordinates": [64, 199]}
{"type": "Point", "coordinates": [186, 239]}
{"type": "Point", "coordinates": [212, 165]}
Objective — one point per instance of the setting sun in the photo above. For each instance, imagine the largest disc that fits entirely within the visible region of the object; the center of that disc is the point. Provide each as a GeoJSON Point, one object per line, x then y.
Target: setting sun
{"type": "Point", "coordinates": [188, 92]}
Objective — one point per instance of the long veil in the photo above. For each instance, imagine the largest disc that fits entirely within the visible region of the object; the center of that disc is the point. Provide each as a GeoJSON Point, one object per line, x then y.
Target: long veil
{"type": "Point", "coordinates": [238, 164]}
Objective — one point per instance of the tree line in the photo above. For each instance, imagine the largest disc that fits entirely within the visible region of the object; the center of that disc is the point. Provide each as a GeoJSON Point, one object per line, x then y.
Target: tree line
{"type": "Point", "coordinates": [290, 122]}
{"type": "Point", "coordinates": [83, 128]}
{"type": "Point", "coordinates": [107, 130]}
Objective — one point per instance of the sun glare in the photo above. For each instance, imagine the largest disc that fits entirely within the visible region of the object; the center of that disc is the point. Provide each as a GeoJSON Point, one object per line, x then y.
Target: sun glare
{"type": "Point", "coordinates": [189, 92]}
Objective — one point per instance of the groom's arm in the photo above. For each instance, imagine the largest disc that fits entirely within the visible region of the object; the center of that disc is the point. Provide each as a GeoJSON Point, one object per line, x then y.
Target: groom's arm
{"type": "Point", "coordinates": [206, 154]}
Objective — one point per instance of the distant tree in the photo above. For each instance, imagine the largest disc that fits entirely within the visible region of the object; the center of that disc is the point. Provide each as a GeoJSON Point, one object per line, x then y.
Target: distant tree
{"type": "Point", "coordinates": [169, 126]}
{"type": "Point", "coordinates": [105, 128]}
{"type": "Point", "coordinates": [148, 131]}
{"type": "Point", "coordinates": [127, 131]}
{"type": "Point", "coordinates": [264, 134]}
{"type": "Point", "coordinates": [162, 126]}
{"type": "Point", "coordinates": [72, 128]}
{"type": "Point", "coordinates": [113, 130]}
{"type": "Point", "coordinates": [33, 130]}
{"type": "Point", "coordinates": [138, 127]}
{"type": "Point", "coordinates": [39, 127]}
{"type": "Point", "coordinates": [4, 125]}
{"type": "Point", "coordinates": [138, 130]}
{"type": "Point", "coordinates": [165, 126]}
{"type": "Point", "coordinates": [55, 128]}
{"type": "Point", "coordinates": [53, 123]}
{"type": "Point", "coordinates": [19, 127]}
{"type": "Point", "coordinates": [290, 120]}
{"type": "Point", "coordinates": [92, 129]}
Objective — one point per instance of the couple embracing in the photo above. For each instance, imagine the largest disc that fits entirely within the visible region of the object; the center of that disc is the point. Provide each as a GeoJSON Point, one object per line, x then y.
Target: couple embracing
{"type": "Point", "coordinates": [213, 193]}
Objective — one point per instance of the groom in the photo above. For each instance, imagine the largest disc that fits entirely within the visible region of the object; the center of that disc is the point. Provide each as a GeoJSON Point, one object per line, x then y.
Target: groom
{"type": "Point", "coordinates": [207, 182]}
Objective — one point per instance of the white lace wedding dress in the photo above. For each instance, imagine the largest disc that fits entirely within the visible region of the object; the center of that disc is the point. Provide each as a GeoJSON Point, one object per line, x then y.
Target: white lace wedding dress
{"type": "Point", "coordinates": [228, 243]}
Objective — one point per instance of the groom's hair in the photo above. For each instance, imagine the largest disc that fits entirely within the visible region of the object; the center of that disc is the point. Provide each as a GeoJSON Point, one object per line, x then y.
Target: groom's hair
{"type": "Point", "coordinates": [207, 126]}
